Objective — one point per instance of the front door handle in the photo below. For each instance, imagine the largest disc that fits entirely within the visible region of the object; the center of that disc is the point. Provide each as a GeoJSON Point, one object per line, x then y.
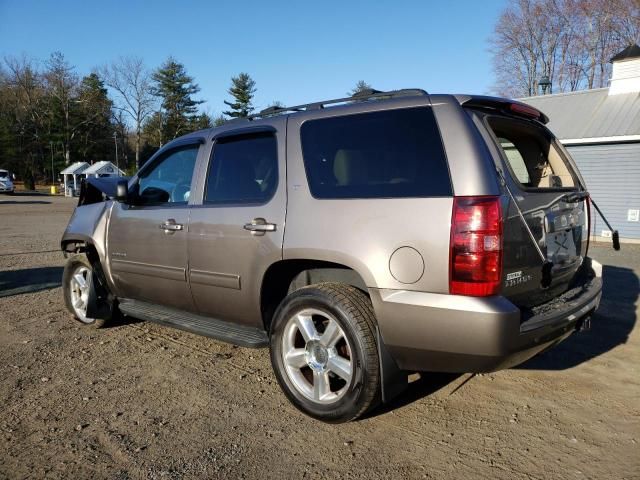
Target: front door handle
{"type": "Point", "coordinates": [259, 226]}
{"type": "Point", "coordinates": [170, 226]}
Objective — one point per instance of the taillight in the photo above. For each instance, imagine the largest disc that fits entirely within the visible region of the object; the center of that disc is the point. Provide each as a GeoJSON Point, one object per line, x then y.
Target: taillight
{"type": "Point", "coordinates": [476, 246]}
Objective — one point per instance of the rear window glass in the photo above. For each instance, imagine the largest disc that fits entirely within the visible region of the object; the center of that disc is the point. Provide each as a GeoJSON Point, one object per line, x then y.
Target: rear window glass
{"type": "Point", "coordinates": [394, 153]}
{"type": "Point", "coordinates": [531, 154]}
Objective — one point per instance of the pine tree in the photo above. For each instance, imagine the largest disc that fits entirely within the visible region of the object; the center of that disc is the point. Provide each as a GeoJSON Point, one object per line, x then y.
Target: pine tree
{"type": "Point", "coordinates": [96, 130]}
{"type": "Point", "coordinates": [219, 121]}
{"type": "Point", "coordinates": [201, 122]}
{"type": "Point", "coordinates": [242, 89]}
{"type": "Point", "coordinates": [175, 88]}
{"type": "Point", "coordinates": [152, 131]}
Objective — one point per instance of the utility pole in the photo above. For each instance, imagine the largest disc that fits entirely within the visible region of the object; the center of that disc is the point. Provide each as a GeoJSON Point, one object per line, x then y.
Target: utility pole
{"type": "Point", "coordinates": [115, 139]}
{"type": "Point", "coordinates": [53, 173]}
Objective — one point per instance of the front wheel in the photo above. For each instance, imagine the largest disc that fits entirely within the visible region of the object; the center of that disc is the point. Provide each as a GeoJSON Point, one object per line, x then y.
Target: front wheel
{"type": "Point", "coordinates": [76, 284]}
{"type": "Point", "coordinates": [324, 353]}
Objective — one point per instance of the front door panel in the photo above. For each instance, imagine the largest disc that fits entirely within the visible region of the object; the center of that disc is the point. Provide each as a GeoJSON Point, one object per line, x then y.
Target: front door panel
{"type": "Point", "coordinates": [149, 262]}
{"type": "Point", "coordinates": [147, 239]}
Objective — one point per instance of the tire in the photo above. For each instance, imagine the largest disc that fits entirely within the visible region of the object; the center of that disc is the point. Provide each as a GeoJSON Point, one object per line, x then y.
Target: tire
{"type": "Point", "coordinates": [78, 267]}
{"type": "Point", "coordinates": [324, 352]}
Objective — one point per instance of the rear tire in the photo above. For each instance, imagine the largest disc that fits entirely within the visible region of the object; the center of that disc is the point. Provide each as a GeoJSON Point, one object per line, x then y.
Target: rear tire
{"type": "Point", "coordinates": [75, 286]}
{"type": "Point", "coordinates": [324, 352]}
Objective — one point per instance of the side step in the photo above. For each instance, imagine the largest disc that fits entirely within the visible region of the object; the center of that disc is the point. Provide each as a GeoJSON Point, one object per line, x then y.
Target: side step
{"type": "Point", "coordinates": [242, 335]}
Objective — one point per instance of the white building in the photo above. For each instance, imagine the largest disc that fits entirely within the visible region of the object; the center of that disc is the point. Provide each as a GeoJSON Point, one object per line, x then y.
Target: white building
{"type": "Point", "coordinates": [601, 130]}
{"type": "Point", "coordinates": [72, 176]}
{"type": "Point", "coordinates": [103, 169]}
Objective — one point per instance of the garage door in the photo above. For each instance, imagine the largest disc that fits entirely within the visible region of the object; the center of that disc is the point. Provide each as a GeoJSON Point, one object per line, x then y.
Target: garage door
{"type": "Point", "coordinates": [612, 174]}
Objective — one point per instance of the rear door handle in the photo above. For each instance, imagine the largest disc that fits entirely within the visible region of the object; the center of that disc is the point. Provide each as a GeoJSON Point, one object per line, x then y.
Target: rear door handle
{"type": "Point", "coordinates": [170, 226]}
{"type": "Point", "coordinates": [259, 226]}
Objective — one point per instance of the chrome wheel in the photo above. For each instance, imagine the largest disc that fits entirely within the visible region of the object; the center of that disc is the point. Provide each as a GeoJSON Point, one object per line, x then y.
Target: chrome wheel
{"type": "Point", "coordinates": [317, 356]}
{"type": "Point", "coordinates": [79, 290]}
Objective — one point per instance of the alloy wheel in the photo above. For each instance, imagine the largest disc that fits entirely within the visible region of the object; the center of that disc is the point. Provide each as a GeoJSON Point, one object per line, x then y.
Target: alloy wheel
{"type": "Point", "coordinates": [317, 356]}
{"type": "Point", "coordinates": [79, 289]}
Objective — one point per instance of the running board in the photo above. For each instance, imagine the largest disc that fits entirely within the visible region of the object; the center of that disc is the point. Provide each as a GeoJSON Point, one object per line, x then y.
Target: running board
{"type": "Point", "coordinates": [241, 335]}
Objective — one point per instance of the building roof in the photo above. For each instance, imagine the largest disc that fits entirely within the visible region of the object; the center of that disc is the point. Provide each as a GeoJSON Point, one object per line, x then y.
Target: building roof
{"type": "Point", "coordinates": [632, 51]}
{"type": "Point", "coordinates": [590, 114]}
{"type": "Point", "coordinates": [75, 168]}
{"type": "Point", "coordinates": [102, 167]}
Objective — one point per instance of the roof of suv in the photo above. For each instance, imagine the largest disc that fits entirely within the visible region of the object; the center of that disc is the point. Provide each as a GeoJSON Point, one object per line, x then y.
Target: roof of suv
{"type": "Point", "coordinates": [504, 105]}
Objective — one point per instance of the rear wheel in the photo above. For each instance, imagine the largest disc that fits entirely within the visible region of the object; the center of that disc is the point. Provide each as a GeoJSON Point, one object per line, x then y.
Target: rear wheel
{"type": "Point", "coordinates": [76, 284]}
{"type": "Point", "coordinates": [324, 353]}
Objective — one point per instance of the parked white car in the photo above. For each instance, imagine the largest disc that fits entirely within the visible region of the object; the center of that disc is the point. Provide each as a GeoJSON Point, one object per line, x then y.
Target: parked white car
{"type": "Point", "coordinates": [6, 181]}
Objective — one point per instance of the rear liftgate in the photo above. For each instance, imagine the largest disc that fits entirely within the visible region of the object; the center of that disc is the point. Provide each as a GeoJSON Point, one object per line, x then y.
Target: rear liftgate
{"type": "Point", "coordinates": [547, 265]}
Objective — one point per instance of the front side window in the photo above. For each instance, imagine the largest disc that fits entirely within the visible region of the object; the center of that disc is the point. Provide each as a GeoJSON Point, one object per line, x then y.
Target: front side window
{"type": "Point", "coordinates": [393, 153]}
{"type": "Point", "coordinates": [244, 169]}
{"type": "Point", "coordinates": [531, 154]}
{"type": "Point", "coordinates": [168, 180]}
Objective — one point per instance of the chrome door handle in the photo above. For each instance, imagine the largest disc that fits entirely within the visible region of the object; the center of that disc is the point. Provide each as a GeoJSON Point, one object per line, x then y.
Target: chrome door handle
{"type": "Point", "coordinates": [259, 226]}
{"type": "Point", "coordinates": [170, 226]}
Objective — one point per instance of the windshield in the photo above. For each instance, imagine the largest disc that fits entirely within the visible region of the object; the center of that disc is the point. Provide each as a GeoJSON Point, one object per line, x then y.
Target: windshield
{"type": "Point", "coordinates": [4, 174]}
{"type": "Point", "coordinates": [532, 155]}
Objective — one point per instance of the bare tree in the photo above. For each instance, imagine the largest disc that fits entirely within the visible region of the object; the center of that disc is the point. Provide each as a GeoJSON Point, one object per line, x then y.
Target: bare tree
{"type": "Point", "coordinates": [131, 81]}
{"type": "Point", "coordinates": [24, 103]}
{"type": "Point", "coordinates": [62, 84]}
{"type": "Point", "coordinates": [570, 41]}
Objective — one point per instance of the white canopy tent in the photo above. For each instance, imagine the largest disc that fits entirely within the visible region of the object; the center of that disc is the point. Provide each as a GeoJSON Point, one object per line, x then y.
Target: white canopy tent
{"type": "Point", "coordinates": [75, 170]}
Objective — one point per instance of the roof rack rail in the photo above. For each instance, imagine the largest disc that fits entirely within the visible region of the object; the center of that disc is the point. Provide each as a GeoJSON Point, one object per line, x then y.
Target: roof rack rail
{"type": "Point", "coordinates": [368, 94]}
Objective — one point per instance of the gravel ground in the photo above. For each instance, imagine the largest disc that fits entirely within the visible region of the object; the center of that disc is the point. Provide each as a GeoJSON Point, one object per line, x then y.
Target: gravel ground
{"type": "Point", "coordinates": [141, 401]}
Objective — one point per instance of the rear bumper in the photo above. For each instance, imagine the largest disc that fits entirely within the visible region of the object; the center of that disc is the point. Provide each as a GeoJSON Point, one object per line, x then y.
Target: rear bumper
{"type": "Point", "coordinates": [451, 333]}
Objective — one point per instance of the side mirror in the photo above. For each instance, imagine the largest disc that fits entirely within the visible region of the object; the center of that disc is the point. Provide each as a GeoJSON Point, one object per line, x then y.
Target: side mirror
{"type": "Point", "coordinates": [122, 191]}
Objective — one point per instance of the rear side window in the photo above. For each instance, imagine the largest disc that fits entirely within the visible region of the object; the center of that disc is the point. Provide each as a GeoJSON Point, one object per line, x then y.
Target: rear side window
{"type": "Point", "coordinates": [394, 153]}
{"type": "Point", "coordinates": [531, 154]}
{"type": "Point", "coordinates": [244, 169]}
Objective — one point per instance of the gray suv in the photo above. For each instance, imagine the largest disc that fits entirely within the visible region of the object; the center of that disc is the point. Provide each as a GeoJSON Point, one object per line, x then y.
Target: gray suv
{"type": "Point", "coordinates": [360, 239]}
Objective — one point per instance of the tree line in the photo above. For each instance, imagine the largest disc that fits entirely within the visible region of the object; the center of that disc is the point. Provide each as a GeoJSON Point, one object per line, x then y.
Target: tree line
{"type": "Point", "coordinates": [570, 42]}
{"type": "Point", "coordinates": [51, 117]}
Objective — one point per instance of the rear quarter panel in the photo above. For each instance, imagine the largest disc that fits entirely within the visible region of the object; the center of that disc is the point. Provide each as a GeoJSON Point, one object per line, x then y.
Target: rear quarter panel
{"type": "Point", "coordinates": [364, 233]}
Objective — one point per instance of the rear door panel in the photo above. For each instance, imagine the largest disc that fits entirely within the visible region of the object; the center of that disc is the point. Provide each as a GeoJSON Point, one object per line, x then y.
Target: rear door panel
{"type": "Point", "coordinates": [227, 262]}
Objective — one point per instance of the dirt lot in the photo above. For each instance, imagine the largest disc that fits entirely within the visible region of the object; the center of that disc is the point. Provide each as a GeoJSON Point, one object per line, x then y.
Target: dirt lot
{"type": "Point", "coordinates": [142, 401]}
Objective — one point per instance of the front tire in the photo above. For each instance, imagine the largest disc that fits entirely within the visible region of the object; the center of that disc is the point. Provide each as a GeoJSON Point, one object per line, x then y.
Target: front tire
{"type": "Point", "coordinates": [75, 285]}
{"type": "Point", "coordinates": [324, 353]}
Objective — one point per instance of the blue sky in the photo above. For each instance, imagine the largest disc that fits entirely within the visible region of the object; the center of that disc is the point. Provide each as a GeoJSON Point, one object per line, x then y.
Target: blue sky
{"type": "Point", "coordinates": [296, 51]}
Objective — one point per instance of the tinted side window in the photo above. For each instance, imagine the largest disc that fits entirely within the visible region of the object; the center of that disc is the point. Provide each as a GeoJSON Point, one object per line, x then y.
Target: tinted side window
{"type": "Point", "coordinates": [244, 169]}
{"type": "Point", "coordinates": [169, 178]}
{"type": "Point", "coordinates": [394, 153]}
